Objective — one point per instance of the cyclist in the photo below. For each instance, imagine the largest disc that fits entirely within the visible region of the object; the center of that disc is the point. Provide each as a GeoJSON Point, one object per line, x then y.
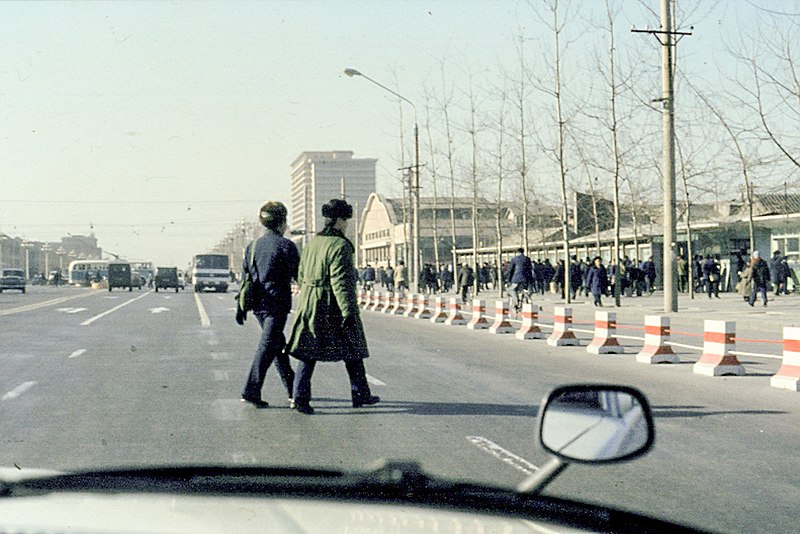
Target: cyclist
{"type": "Point", "coordinates": [520, 275]}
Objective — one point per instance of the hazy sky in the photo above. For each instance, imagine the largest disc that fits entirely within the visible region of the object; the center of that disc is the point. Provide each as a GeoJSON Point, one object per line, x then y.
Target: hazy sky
{"type": "Point", "coordinates": [158, 125]}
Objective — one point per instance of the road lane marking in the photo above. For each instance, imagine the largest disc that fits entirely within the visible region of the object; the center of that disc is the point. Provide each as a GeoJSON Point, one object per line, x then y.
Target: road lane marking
{"type": "Point", "coordinates": [72, 310]}
{"type": "Point", "coordinates": [374, 381]}
{"type": "Point", "coordinates": [52, 302]}
{"type": "Point", "coordinates": [79, 352]}
{"type": "Point", "coordinates": [505, 456]}
{"type": "Point", "coordinates": [19, 390]}
{"type": "Point", "coordinates": [112, 310]}
{"type": "Point", "coordinates": [204, 320]}
{"type": "Point", "coordinates": [160, 309]}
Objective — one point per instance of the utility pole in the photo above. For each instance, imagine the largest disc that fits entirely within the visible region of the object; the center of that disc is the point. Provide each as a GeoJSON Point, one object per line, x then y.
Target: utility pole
{"type": "Point", "coordinates": [667, 37]}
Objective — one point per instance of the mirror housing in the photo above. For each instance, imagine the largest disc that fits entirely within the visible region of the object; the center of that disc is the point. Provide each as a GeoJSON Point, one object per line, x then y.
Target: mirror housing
{"type": "Point", "coordinates": [596, 423]}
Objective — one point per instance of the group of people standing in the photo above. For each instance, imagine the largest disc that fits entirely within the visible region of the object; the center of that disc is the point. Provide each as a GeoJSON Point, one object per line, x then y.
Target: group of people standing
{"type": "Point", "coordinates": [327, 325]}
{"type": "Point", "coordinates": [758, 275]}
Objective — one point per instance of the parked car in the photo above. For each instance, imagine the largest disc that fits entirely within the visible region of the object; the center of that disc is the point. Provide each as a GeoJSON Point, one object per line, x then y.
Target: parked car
{"type": "Point", "coordinates": [12, 279]}
{"type": "Point", "coordinates": [136, 280]}
{"type": "Point", "coordinates": [166, 278]}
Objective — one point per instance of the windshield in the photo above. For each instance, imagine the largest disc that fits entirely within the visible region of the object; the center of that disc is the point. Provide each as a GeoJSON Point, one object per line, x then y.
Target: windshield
{"type": "Point", "coordinates": [463, 136]}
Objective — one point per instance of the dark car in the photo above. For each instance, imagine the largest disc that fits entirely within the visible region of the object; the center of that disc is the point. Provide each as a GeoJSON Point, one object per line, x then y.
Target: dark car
{"type": "Point", "coordinates": [166, 278]}
{"type": "Point", "coordinates": [119, 275]}
{"type": "Point", "coordinates": [12, 279]}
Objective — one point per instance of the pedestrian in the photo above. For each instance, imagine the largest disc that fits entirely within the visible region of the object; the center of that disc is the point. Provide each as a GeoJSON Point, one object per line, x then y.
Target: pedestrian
{"type": "Point", "coordinates": [774, 265]}
{"type": "Point", "coordinates": [400, 277]}
{"type": "Point", "coordinates": [597, 280]}
{"type": "Point", "coordinates": [369, 277]}
{"type": "Point", "coordinates": [466, 277]}
{"type": "Point", "coordinates": [274, 266]}
{"type": "Point", "coordinates": [745, 285]}
{"type": "Point", "coordinates": [683, 274]}
{"type": "Point", "coordinates": [760, 277]}
{"type": "Point", "coordinates": [649, 271]}
{"type": "Point", "coordinates": [328, 325]}
{"type": "Point", "coordinates": [390, 278]}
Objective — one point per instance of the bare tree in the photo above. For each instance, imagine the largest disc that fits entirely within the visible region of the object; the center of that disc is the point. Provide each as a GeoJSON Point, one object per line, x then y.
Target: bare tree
{"type": "Point", "coordinates": [433, 168]}
{"type": "Point", "coordinates": [446, 103]}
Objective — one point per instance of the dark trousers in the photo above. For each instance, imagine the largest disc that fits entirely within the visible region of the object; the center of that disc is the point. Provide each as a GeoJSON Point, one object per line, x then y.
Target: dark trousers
{"type": "Point", "coordinates": [359, 388]}
{"type": "Point", "coordinates": [758, 288]}
{"type": "Point", "coordinates": [270, 347]}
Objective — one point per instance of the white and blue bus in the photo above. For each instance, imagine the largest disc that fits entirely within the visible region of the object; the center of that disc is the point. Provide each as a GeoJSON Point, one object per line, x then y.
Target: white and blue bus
{"type": "Point", "coordinates": [211, 271]}
{"type": "Point", "coordinates": [84, 272]}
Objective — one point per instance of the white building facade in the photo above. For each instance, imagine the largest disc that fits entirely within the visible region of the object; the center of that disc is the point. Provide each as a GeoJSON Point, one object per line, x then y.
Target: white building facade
{"type": "Point", "coordinates": [317, 177]}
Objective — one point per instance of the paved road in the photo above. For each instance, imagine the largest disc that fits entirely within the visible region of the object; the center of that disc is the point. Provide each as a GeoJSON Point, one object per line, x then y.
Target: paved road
{"type": "Point", "coordinates": [108, 379]}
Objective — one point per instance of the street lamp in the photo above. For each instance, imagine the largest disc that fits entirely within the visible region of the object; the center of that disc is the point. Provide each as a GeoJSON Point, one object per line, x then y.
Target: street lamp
{"type": "Point", "coordinates": [414, 268]}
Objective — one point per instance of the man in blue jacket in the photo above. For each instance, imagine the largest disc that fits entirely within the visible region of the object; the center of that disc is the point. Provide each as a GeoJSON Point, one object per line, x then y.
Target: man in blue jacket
{"type": "Point", "coordinates": [274, 266]}
{"type": "Point", "coordinates": [520, 275]}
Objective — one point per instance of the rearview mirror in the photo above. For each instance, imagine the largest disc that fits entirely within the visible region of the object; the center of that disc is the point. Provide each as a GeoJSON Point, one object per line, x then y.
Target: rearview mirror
{"type": "Point", "coordinates": [596, 423]}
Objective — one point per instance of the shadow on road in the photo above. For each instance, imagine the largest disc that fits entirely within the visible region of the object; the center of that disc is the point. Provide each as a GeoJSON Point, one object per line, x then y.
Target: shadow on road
{"type": "Point", "coordinates": [699, 411]}
{"type": "Point", "coordinates": [430, 408]}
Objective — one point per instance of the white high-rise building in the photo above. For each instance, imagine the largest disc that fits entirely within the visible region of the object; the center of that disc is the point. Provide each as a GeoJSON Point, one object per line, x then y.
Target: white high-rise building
{"type": "Point", "coordinates": [318, 177]}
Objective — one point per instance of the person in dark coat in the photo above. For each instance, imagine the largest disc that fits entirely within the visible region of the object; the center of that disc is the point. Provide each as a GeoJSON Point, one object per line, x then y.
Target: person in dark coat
{"type": "Point", "coordinates": [760, 278]}
{"type": "Point", "coordinates": [328, 325]}
{"type": "Point", "coordinates": [597, 280]}
{"type": "Point", "coordinates": [274, 266]}
{"type": "Point", "coordinates": [466, 279]}
{"type": "Point", "coordinates": [520, 275]}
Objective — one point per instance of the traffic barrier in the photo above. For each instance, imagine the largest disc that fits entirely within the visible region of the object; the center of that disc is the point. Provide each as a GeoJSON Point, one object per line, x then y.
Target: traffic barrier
{"type": "Point", "coordinates": [605, 329]}
{"type": "Point", "coordinates": [718, 342]}
{"type": "Point", "coordinates": [656, 337]}
{"type": "Point", "coordinates": [478, 321]}
{"type": "Point", "coordinates": [360, 297]}
{"type": "Point", "coordinates": [529, 329]}
{"type": "Point", "coordinates": [562, 335]}
{"type": "Point", "coordinates": [374, 300]}
{"type": "Point", "coordinates": [366, 302]}
{"type": "Point", "coordinates": [411, 305]}
{"type": "Point", "coordinates": [501, 323]}
{"type": "Point", "coordinates": [380, 302]}
{"type": "Point", "coordinates": [397, 307]}
{"type": "Point", "coordinates": [455, 317]}
{"type": "Point", "coordinates": [423, 311]}
{"type": "Point", "coordinates": [788, 375]}
{"type": "Point", "coordinates": [439, 314]}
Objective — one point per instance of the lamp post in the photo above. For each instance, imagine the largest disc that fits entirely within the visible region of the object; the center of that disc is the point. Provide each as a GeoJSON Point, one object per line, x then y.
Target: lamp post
{"type": "Point", "coordinates": [27, 246]}
{"type": "Point", "coordinates": [414, 268]}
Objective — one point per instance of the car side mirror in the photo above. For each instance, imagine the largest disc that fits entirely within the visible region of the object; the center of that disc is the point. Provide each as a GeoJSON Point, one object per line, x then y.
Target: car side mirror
{"type": "Point", "coordinates": [593, 424]}
{"type": "Point", "coordinates": [596, 423]}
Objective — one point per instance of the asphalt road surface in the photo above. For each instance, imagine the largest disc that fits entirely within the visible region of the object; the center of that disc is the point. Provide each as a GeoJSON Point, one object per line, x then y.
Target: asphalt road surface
{"type": "Point", "coordinates": [92, 379]}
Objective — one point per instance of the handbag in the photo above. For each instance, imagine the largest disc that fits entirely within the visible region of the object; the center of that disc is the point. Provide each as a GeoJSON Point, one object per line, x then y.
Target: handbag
{"type": "Point", "coordinates": [244, 298]}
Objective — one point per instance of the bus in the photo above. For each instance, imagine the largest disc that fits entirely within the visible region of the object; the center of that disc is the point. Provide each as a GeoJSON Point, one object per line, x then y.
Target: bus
{"type": "Point", "coordinates": [145, 269]}
{"type": "Point", "coordinates": [83, 272]}
{"type": "Point", "coordinates": [211, 271]}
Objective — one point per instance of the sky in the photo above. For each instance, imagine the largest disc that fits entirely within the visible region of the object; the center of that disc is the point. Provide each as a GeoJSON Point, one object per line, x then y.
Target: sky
{"type": "Point", "coordinates": [158, 126]}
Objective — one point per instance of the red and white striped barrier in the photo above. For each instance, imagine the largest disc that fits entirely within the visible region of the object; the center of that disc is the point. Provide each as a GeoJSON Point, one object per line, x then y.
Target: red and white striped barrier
{"type": "Point", "coordinates": [439, 314]}
{"type": "Point", "coordinates": [562, 335]}
{"type": "Point", "coordinates": [367, 300]}
{"type": "Point", "coordinates": [360, 297]}
{"type": "Point", "coordinates": [411, 305]}
{"type": "Point", "coordinates": [397, 307]}
{"type": "Point", "coordinates": [788, 376]}
{"type": "Point", "coordinates": [454, 317]}
{"type": "Point", "coordinates": [376, 300]}
{"type": "Point", "coordinates": [501, 323]}
{"type": "Point", "coordinates": [656, 335]}
{"type": "Point", "coordinates": [605, 330]}
{"type": "Point", "coordinates": [529, 330]}
{"type": "Point", "coordinates": [380, 302]}
{"type": "Point", "coordinates": [478, 321]}
{"type": "Point", "coordinates": [718, 343]}
{"type": "Point", "coordinates": [423, 311]}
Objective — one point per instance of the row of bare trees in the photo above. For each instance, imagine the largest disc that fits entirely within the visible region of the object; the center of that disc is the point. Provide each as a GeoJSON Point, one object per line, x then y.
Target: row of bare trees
{"type": "Point", "coordinates": [564, 120]}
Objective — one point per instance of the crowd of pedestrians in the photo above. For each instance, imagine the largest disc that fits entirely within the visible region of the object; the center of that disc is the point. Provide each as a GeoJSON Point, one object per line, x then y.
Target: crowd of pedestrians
{"type": "Point", "coordinates": [522, 275]}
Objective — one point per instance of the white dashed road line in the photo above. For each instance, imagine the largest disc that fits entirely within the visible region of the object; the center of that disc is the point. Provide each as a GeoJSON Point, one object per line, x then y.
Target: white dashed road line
{"type": "Point", "coordinates": [77, 353]}
{"type": "Point", "coordinates": [204, 320]}
{"type": "Point", "coordinates": [505, 456]}
{"type": "Point", "coordinates": [19, 390]}
{"type": "Point", "coordinates": [112, 310]}
{"type": "Point", "coordinates": [374, 381]}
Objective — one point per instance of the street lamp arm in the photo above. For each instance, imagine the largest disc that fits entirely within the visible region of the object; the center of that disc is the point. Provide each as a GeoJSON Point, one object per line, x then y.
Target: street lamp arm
{"type": "Point", "coordinates": [354, 72]}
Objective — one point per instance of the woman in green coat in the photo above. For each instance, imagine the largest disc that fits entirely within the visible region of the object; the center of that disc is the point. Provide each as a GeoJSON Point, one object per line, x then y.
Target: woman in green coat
{"type": "Point", "coordinates": [328, 326]}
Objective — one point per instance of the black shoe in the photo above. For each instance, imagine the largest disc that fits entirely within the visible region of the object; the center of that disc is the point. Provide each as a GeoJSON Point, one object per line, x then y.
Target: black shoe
{"type": "Point", "coordinates": [258, 403]}
{"type": "Point", "coordinates": [304, 408]}
{"type": "Point", "coordinates": [367, 401]}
